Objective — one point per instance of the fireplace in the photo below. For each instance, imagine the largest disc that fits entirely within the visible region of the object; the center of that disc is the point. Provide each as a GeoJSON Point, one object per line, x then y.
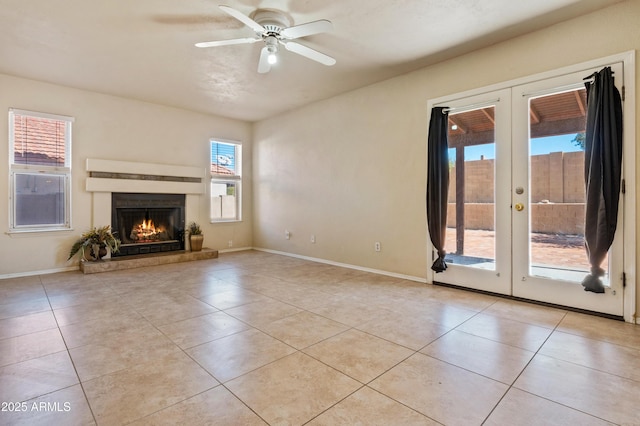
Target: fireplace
{"type": "Point", "coordinates": [148, 223]}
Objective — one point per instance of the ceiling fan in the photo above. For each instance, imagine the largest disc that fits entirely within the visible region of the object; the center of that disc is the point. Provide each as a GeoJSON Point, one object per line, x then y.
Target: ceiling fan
{"type": "Point", "coordinates": [274, 28]}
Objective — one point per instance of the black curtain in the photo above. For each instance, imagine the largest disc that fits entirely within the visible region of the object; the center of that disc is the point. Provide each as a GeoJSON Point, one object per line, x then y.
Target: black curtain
{"type": "Point", "coordinates": [602, 171]}
{"type": "Point", "coordinates": [438, 182]}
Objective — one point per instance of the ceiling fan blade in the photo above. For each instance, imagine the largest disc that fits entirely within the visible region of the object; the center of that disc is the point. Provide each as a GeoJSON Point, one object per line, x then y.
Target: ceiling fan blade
{"type": "Point", "coordinates": [310, 28]}
{"type": "Point", "coordinates": [227, 42]}
{"type": "Point", "coordinates": [243, 18]}
{"type": "Point", "coordinates": [307, 52]}
{"type": "Point", "coordinates": [264, 66]}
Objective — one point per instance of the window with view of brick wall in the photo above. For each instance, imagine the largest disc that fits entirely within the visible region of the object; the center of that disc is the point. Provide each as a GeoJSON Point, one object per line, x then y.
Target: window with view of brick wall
{"type": "Point", "coordinates": [226, 180]}
{"type": "Point", "coordinates": [40, 169]}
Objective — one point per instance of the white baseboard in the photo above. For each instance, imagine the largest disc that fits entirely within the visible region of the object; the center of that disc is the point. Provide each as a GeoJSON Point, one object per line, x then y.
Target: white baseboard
{"type": "Point", "coordinates": [43, 272]}
{"type": "Point", "coordinates": [346, 265]}
{"type": "Point", "coordinates": [231, 250]}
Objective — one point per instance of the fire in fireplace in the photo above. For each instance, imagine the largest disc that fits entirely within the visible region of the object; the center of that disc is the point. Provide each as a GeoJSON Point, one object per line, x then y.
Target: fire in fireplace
{"type": "Point", "coordinates": [148, 223]}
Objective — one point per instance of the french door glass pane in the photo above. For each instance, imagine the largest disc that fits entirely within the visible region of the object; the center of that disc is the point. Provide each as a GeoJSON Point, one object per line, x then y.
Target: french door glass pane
{"type": "Point", "coordinates": [556, 186]}
{"type": "Point", "coordinates": [470, 238]}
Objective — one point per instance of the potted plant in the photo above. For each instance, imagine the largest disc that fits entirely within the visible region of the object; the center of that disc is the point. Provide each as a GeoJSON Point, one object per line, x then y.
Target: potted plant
{"type": "Point", "coordinates": [94, 244]}
{"type": "Point", "coordinates": [195, 236]}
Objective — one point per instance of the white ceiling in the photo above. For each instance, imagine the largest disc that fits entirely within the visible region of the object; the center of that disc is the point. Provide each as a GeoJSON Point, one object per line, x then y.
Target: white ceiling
{"type": "Point", "coordinates": [144, 49]}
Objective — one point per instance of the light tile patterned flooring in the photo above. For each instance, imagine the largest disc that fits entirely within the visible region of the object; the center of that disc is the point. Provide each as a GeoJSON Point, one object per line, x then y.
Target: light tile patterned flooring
{"type": "Point", "coordinates": [254, 338]}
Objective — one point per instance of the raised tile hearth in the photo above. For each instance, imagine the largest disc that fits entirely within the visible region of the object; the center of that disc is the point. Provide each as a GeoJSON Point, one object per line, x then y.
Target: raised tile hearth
{"type": "Point", "coordinates": [139, 261]}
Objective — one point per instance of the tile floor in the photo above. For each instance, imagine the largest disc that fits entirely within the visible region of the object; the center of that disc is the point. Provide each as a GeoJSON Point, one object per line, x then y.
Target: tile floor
{"type": "Point", "coordinates": [254, 338]}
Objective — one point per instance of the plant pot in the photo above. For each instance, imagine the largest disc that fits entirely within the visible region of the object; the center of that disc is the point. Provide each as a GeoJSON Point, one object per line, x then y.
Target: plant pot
{"type": "Point", "coordinates": [195, 241]}
{"type": "Point", "coordinates": [94, 253]}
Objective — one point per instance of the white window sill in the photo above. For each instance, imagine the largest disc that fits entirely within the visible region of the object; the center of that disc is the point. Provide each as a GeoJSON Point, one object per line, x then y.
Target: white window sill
{"type": "Point", "coordinates": [35, 231]}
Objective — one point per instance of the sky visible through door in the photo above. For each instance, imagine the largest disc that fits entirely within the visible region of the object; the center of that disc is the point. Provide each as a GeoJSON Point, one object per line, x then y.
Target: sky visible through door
{"type": "Point", "coordinates": [546, 145]}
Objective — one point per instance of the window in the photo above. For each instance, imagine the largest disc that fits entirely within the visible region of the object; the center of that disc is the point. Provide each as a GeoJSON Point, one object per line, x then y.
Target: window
{"type": "Point", "coordinates": [226, 161]}
{"type": "Point", "coordinates": [40, 171]}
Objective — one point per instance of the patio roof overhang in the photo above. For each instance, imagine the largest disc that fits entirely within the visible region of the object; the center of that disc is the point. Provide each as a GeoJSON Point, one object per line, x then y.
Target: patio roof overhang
{"type": "Point", "coordinates": [559, 114]}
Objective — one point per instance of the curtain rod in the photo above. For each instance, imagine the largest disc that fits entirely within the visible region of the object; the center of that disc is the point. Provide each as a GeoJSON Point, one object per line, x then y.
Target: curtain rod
{"type": "Point", "coordinates": [592, 76]}
{"type": "Point", "coordinates": [566, 88]}
{"type": "Point", "coordinates": [554, 90]}
{"type": "Point", "coordinates": [470, 107]}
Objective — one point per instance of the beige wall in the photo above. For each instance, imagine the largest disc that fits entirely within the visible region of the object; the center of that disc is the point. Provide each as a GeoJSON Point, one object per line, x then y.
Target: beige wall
{"type": "Point", "coordinates": [352, 169]}
{"type": "Point", "coordinates": [349, 171]}
{"type": "Point", "coordinates": [113, 128]}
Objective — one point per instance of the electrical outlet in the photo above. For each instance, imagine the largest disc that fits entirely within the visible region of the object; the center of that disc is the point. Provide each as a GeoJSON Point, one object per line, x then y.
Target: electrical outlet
{"type": "Point", "coordinates": [313, 239]}
{"type": "Point", "coordinates": [287, 235]}
{"type": "Point", "coordinates": [230, 243]}
{"type": "Point", "coordinates": [377, 246]}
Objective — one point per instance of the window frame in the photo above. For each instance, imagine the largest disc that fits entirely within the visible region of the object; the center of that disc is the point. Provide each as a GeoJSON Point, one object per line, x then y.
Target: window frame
{"type": "Point", "coordinates": [17, 169]}
{"type": "Point", "coordinates": [226, 179]}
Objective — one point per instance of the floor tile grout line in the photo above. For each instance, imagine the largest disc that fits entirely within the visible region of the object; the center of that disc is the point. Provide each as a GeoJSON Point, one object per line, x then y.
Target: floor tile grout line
{"type": "Point", "coordinates": [500, 299]}
{"type": "Point", "coordinates": [587, 366]}
{"type": "Point", "coordinates": [220, 382]}
{"type": "Point", "coordinates": [73, 364]}
{"type": "Point", "coordinates": [365, 384]}
{"type": "Point", "coordinates": [172, 405]}
{"type": "Point", "coordinates": [560, 404]}
{"type": "Point", "coordinates": [634, 348]}
{"type": "Point", "coordinates": [301, 351]}
{"type": "Point", "coordinates": [335, 403]}
{"type": "Point", "coordinates": [400, 402]}
{"type": "Point", "coordinates": [511, 386]}
{"type": "Point", "coordinates": [184, 351]}
{"type": "Point", "coordinates": [419, 351]}
{"type": "Point", "coordinates": [257, 327]}
{"type": "Point", "coordinates": [368, 383]}
{"type": "Point", "coordinates": [223, 383]}
{"type": "Point", "coordinates": [495, 341]}
{"type": "Point", "coordinates": [362, 385]}
{"type": "Point", "coordinates": [244, 403]}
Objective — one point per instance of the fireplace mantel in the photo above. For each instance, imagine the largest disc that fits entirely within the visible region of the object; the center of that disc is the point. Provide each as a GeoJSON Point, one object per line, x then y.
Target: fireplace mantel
{"type": "Point", "coordinates": [126, 176]}
{"type": "Point", "coordinates": [108, 176]}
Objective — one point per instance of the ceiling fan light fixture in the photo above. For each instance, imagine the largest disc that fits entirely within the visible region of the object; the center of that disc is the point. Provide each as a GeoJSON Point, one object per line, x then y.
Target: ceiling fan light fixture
{"type": "Point", "coordinates": [272, 47]}
{"type": "Point", "coordinates": [273, 27]}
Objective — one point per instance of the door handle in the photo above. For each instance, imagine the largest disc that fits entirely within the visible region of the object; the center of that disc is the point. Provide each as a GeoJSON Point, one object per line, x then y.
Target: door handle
{"type": "Point", "coordinates": [519, 207]}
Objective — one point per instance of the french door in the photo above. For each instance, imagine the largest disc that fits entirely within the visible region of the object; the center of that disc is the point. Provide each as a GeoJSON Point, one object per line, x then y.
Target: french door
{"type": "Point", "coordinates": [515, 221]}
{"type": "Point", "coordinates": [478, 239]}
{"type": "Point", "coordinates": [549, 259]}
